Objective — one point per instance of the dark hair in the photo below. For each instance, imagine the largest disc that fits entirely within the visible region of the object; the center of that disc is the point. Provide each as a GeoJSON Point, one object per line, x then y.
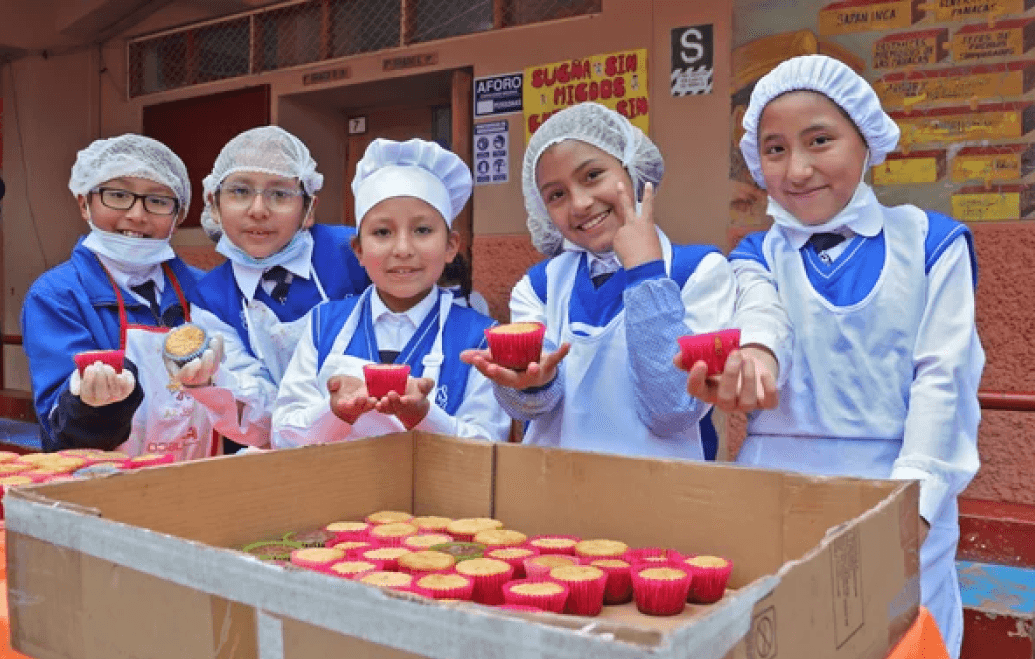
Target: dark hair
{"type": "Point", "coordinates": [458, 271]}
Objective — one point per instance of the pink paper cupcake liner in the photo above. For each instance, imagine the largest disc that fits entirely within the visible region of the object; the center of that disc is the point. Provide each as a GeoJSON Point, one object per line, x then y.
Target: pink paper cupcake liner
{"type": "Point", "coordinates": [384, 378]}
{"type": "Point", "coordinates": [657, 597]}
{"type": "Point", "coordinates": [618, 589]}
{"type": "Point", "coordinates": [390, 540]}
{"type": "Point", "coordinates": [422, 540]}
{"type": "Point", "coordinates": [374, 566]}
{"type": "Point", "coordinates": [390, 564]}
{"type": "Point", "coordinates": [654, 557]}
{"type": "Point", "coordinates": [488, 588]}
{"type": "Point", "coordinates": [459, 593]}
{"type": "Point", "coordinates": [709, 583]}
{"type": "Point", "coordinates": [585, 598]}
{"type": "Point", "coordinates": [353, 548]}
{"type": "Point", "coordinates": [341, 535]}
{"type": "Point", "coordinates": [401, 588]}
{"type": "Point", "coordinates": [516, 351]}
{"type": "Point", "coordinates": [537, 572]}
{"type": "Point", "coordinates": [554, 603]}
{"type": "Point", "coordinates": [711, 348]}
{"type": "Point", "coordinates": [555, 550]}
{"type": "Point", "coordinates": [516, 562]}
{"type": "Point", "coordinates": [114, 358]}
{"type": "Point", "coordinates": [298, 557]}
{"type": "Point", "coordinates": [149, 460]}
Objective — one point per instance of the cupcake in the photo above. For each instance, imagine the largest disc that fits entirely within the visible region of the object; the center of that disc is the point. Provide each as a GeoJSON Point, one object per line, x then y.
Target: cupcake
{"type": "Point", "coordinates": [184, 343]}
{"type": "Point", "coordinates": [12, 481]}
{"type": "Point", "coordinates": [555, 544]}
{"type": "Point", "coordinates": [496, 538]}
{"type": "Point", "coordinates": [594, 549]}
{"type": "Point", "coordinates": [538, 568]}
{"type": "Point", "coordinates": [710, 576]}
{"type": "Point", "coordinates": [392, 534]}
{"type": "Point", "coordinates": [461, 551]}
{"type": "Point", "coordinates": [426, 562]}
{"type": "Point", "coordinates": [388, 556]}
{"type": "Point", "coordinates": [654, 557]}
{"type": "Point", "coordinates": [388, 517]}
{"type": "Point", "coordinates": [111, 456]}
{"type": "Point", "coordinates": [426, 540]}
{"type": "Point", "coordinates": [711, 348]}
{"type": "Point", "coordinates": [488, 575]}
{"type": "Point", "coordinates": [8, 456]}
{"type": "Point", "coordinates": [618, 589]}
{"type": "Point", "coordinates": [514, 555]}
{"type": "Point", "coordinates": [314, 538]}
{"type": "Point", "coordinates": [42, 475]}
{"type": "Point", "coordinates": [271, 550]}
{"type": "Point", "coordinates": [586, 586]}
{"type": "Point", "coordinates": [382, 379]}
{"type": "Point", "coordinates": [465, 529]}
{"type": "Point", "coordinates": [113, 358]}
{"type": "Point", "coordinates": [12, 468]}
{"type": "Point", "coordinates": [316, 558]}
{"type": "Point", "coordinates": [61, 464]}
{"type": "Point", "coordinates": [98, 469]}
{"type": "Point", "coordinates": [353, 548]}
{"type": "Point", "coordinates": [348, 530]}
{"type": "Point", "coordinates": [660, 591]}
{"type": "Point", "coordinates": [545, 595]}
{"type": "Point", "coordinates": [354, 569]}
{"type": "Point", "coordinates": [516, 345]}
{"type": "Point", "coordinates": [384, 579]}
{"type": "Point", "coordinates": [149, 460]}
{"type": "Point", "coordinates": [444, 586]}
{"type": "Point", "coordinates": [432, 523]}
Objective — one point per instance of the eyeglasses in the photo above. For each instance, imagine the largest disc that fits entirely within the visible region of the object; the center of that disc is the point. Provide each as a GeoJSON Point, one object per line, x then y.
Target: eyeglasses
{"type": "Point", "coordinates": [278, 200]}
{"type": "Point", "coordinates": [123, 200]}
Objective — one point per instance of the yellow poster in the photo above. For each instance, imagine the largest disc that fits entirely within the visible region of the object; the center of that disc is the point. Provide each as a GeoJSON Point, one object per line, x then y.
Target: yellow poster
{"type": "Point", "coordinates": [617, 80]}
{"type": "Point", "coordinates": [986, 167]}
{"type": "Point", "coordinates": [955, 126]}
{"type": "Point", "coordinates": [958, 10]}
{"type": "Point", "coordinates": [910, 49]}
{"type": "Point", "coordinates": [907, 171]}
{"type": "Point", "coordinates": [985, 206]}
{"type": "Point", "coordinates": [1001, 81]}
{"type": "Point", "coordinates": [978, 41]}
{"type": "Point", "coordinates": [846, 17]}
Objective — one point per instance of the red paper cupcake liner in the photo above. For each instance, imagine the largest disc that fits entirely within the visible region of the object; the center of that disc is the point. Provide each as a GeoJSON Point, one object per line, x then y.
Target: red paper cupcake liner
{"type": "Point", "coordinates": [459, 593]}
{"type": "Point", "coordinates": [390, 540]}
{"type": "Point", "coordinates": [488, 588]}
{"type": "Point", "coordinates": [711, 348]}
{"type": "Point", "coordinates": [618, 589]}
{"type": "Point", "coordinates": [443, 538]}
{"type": "Point", "coordinates": [402, 588]}
{"type": "Point", "coordinates": [113, 358]}
{"type": "Point", "coordinates": [518, 563]}
{"type": "Point", "coordinates": [418, 573]}
{"type": "Point", "coordinates": [709, 583]}
{"type": "Point", "coordinates": [381, 380]}
{"type": "Point", "coordinates": [554, 603]}
{"type": "Point", "coordinates": [149, 460]}
{"type": "Point", "coordinates": [516, 351]}
{"type": "Point", "coordinates": [654, 557]}
{"type": "Point", "coordinates": [357, 551]}
{"type": "Point", "coordinates": [390, 564]}
{"type": "Point", "coordinates": [555, 550]}
{"type": "Point", "coordinates": [656, 597]}
{"type": "Point", "coordinates": [585, 598]}
{"type": "Point", "coordinates": [536, 572]}
{"type": "Point", "coordinates": [301, 561]}
{"type": "Point", "coordinates": [358, 534]}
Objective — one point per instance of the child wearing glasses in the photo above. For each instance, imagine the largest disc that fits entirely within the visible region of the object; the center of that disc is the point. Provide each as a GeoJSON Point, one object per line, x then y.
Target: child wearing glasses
{"type": "Point", "coordinates": [122, 289]}
{"type": "Point", "coordinates": [260, 201]}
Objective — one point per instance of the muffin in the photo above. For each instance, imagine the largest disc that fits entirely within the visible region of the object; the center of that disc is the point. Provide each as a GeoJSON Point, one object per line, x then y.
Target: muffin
{"type": "Point", "coordinates": [586, 586]}
{"type": "Point", "coordinates": [149, 460]}
{"type": "Point", "coordinates": [710, 576]}
{"type": "Point", "coordinates": [392, 534]}
{"type": "Point", "coordinates": [660, 591]}
{"type": "Point", "coordinates": [594, 549]}
{"type": "Point", "coordinates": [514, 555]}
{"type": "Point", "coordinates": [12, 468]}
{"type": "Point", "coordinates": [184, 343]}
{"type": "Point", "coordinates": [538, 568]}
{"type": "Point", "coordinates": [444, 586]}
{"type": "Point", "coordinates": [712, 348]}
{"type": "Point", "coordinates": [349, 530]}
{"type": "Point", "coordinates": [545, 595]}
{"type": "Point", "coordinates": [113, 358]}
{"type": "Point", "coordinates": [461, 551]}
{"type": "Point", "coordinates": [316, 558]}
{"type": "Point", "coordinates": [426, 562]}
{"type": "Point", "coordinates": [496, 538]}
{"type": "Point", "coordinates": [554, 544]}
{"type": "Point", "coordinates": [488, 575]}
{"type": "Point", "coordinates": [388, 556]}
{"type": "Point", "coordinates": [516, 345]}
{"type": "Point", "coordinates": [382, 379]}
{"type": "Point", "coordinates": [8, 456]}
{"type": "Point", "coordinates": [432, 523]}
{"type": "Point", "coordinates": [384, 579]}
{"type": "Point", "coordinates": [353, 548]}
{"type": "Point", "coordinates": [271, 550]}
{"type": "Point", "coordinates": [618, 589]}
{"type": "Point", "coordinates": [654, 557]}
{"type": "Point", "coordinates": [354, 569]}
{"type": "Point", "coordinates": [61, 464]}
{"type": "Point", "coordinates": [388, 517]}
{"type": "Point", "coordinates": [111, 456]}
{"type": "Point", "coordinates": [426, 540]}
{"type": "Point", "coordinates": [465, 529]}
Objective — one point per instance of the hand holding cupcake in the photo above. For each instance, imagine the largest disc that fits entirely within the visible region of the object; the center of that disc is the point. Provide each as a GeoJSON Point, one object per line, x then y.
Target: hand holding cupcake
{"type": "Point", "coordinates": [516, 357]}
{"type": "Point", "coordinates": [412, 406]}
{"type": "Point", "coordinates": [192, 356]}
{"type": "Point", "coordinates": [349, 398]}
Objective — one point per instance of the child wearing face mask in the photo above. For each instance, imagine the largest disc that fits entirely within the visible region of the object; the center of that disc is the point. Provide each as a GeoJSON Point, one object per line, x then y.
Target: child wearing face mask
{"type": "Point", "coordinates": [260, 200]}
{"type": "Point", "coordinates": [407, 196]}
{"type": "Point", "coordinates": [614, 294]}
{"type": "Point", "coordinates": [886, 358]}
{"type": "Point", "coordinates": [123, 288]}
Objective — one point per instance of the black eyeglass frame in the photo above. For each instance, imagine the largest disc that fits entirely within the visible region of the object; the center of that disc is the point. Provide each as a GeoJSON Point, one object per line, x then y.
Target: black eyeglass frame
{"type": "Point", "coordinates": [143, 198]}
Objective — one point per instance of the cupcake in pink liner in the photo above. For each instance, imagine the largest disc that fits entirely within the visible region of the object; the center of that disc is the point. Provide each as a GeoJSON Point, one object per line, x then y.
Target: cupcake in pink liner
{"type": "Point", "coordinates": [444, 586]}
{"type": "Point", "coordinates": [349, 530]}
{"type": "Point", "coordinates": [712, 348]}
{"type": "Point", "coordinates": [710, 576]}
{"type": "Point", "coordinates": [393, 534]}
{"type": "Point", "coordinates": [586, 586]}
{"type": "Point", "coordinates": [354, 548]}
{"type": "Point", "coordinates": [465, 529]}
{"type": "Point", "coordinates": [544, 595]}
{"type": "Point", "coordinates": [554, 544]}
{"type": "Point", "coordinates": [426, 562]}
{"type": "Point", "coordinates": [354, 569]}
{"type": "Point", "coordinates": [388, 556]}
{"type": "Point", "coordinates": [314, 538]}
{"type": "Point", "coordinates": [654, 557]}
{"type": "Point", "coordinates": [388, 517]}
{"type": "Point", "coordinates": [594, 549]}
{"type": "Point", "coordinates": [499, 538]}
{"type": "Point", "coordinates": [537, 568]}
{"type": "Point", "coordinates": [515, 556]}
{"type": "Point", "coordinates": [384, 579]}
{"type": "Point", "coordinates": [516, 345]}
{"type": "Point", "coordinates": [316, 558]}
{"type": "Point", "coordinates": [619, 588]}
{"type": "Point", "coordinates": [660, 591]}
{"type": "Point", "coordinates": [488, 575]}
{"type": "Point", "coordinates": [423, 541]}
{"type": "Point", "coordinates": [432, 523]}
{"type": "Point", "coordinates": [382, 379]}
{"type": "Point", "coordinates": [150, 460]}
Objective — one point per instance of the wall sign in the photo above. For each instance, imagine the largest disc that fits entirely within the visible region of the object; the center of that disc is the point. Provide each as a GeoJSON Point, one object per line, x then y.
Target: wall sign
{"type": "Point", "coordinates": [496, 95]}
{"type": "Point", "coordinates": [357, 125]}
{"type": "Point", "coordinates": [408, 61]}
{"type": "Point", "coordinates": [330, 75]}
{"type": "Point", "coordinates": [491, 152]}
{"type": "Point", "coordinates": [693, 60]}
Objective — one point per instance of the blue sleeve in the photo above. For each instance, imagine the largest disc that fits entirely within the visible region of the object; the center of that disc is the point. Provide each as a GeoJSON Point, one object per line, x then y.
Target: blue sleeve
{"type": "Point", "coordinates": [529, 404]}
{"type": "Point", "coordinates": [74, 424]}
{"type": "Point", "coordinates": [750, 248]}
{"type": "Point", "coordinates": [942, 230]}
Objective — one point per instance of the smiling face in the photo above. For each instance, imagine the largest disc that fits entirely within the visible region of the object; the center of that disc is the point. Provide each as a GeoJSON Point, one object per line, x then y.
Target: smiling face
{"type": "Point", "coordinates": [404, 244]}
{"type": "Point", "coordinates": [251, 223]}
{"type": "Point", "coordinates": [135, 222]}
{"type": "Point", "coordinates": [812, 155]}
{"type": "Point", "coordinates": [579, 186]}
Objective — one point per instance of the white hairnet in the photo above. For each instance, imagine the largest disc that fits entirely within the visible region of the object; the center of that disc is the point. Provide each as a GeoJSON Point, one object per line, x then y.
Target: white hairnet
{"type": "Point", "coordinates": [130, 155]}
{"type": "Point", "coordinates": [601, 127]}
{"type": "Point", "coordinates": [213, 229]}
{"type": "Point", "coordinates": [414, 168]}
{"type": "Point", "coordinates": [836, 81]}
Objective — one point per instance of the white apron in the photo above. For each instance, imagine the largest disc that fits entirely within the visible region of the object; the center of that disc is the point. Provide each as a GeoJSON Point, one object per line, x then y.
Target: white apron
{"type": "Point", "coordinates": [337, 363]}
{"type": "Point", "coordinates": [168, 421]}
{"type": "Point", "coordinates": [598, 412]}
{"type": "Point", "coordinates": [272, 340]}
{"type": "Point", "coordinates": [848, 388]}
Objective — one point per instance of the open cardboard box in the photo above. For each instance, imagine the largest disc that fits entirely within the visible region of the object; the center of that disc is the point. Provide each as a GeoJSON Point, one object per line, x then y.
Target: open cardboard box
{"type": "Point", "coordinates": [141, 564]}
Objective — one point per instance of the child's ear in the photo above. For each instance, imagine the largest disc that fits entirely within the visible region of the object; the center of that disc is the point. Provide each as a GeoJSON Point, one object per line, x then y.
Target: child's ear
{"type": "Point", "coordinates": [357, 246]}
{"type": "Point", "coordinates": [310, 216]}
{"type": "Point", "coordinates": [452, 245]}
{"type": "Point", "coordinates": [84, 207]}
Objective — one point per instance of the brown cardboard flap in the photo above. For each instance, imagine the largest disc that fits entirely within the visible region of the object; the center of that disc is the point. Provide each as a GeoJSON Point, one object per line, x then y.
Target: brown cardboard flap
{"type": "Point", "coordinates": [452, 477]}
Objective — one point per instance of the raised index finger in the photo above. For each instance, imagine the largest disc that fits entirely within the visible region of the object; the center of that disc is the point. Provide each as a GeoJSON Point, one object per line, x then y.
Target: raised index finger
{"type": "Point", "coordinates": [626, 208]}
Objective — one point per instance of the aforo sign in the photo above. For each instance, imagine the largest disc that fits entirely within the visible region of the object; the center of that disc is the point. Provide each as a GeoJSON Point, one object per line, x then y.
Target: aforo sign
{"type": "Point", "coordinates": [616, 80]}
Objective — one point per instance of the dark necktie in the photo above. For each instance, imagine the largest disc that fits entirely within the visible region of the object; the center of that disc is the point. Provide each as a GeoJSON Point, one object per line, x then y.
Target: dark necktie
{"type": "Point", "coordinates": [599, 280]}
{"type": "Point", "coordinates": [148, 292]}
{"type": "Point", "coordinates": [281, 279]}
{"type": "Point", "coordinates": [821, 242]}
{"type": "Point", "coordinates": [388, 356]}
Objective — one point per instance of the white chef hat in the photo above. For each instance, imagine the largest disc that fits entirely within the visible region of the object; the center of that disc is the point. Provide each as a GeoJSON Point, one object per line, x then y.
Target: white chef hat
{"type": "Point", "coordinates": [836, 81]}
{"type": "Point", "coordinates": [130, 155]}
{"type": "Point", "coordinates": [415, 168]}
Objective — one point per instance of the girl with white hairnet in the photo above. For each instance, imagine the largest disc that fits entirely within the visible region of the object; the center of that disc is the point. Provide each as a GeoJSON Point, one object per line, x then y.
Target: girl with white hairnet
{"type": "Point", "coordinates": [886, 359]}
{"type": "Point", "coordinates": [407, 196]}
{"type": "Point", "coordinates": [614, 291]}
{"type": "Point", "coordinates": [123, 288]}
{"type": "Point", "coordinates": [260, 200]}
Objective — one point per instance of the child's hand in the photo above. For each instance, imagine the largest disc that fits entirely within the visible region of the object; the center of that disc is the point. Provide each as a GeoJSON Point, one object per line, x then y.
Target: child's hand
{"type": "Point", "coordinates": [349, 398]}
{"type": "Point", "coordinates": [746, 384]}
{"type": "Point", "coordinates": [199, 371]}
{"type": "Point", "coordinates": [636, 242]}
{"type": "Point", "coordinates": [538, 374]}
{"type": "Point", "coordinates": [413, 406]}
{"type": "Point", "coordinates": [100, 385]}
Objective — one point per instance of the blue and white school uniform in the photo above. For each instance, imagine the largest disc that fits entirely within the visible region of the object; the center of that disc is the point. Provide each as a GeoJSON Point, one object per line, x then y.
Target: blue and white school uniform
{"type": "Point", "coordinates": [617, 391]}
{"type": "Point", "coordinates": [260, 333]}
{"type": "Point", "coordinates": [343, 336]}
{"type": "Point", "coordinates": [885, 368]}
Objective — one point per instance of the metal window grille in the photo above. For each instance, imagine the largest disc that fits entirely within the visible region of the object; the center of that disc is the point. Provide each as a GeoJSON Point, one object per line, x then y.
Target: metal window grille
{"type": "Point", "coordinates": [315, 30]}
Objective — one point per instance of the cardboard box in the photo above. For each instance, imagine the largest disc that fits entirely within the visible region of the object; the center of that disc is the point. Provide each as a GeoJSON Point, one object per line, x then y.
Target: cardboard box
{"type": "Point", "coordinates": [140, 564]}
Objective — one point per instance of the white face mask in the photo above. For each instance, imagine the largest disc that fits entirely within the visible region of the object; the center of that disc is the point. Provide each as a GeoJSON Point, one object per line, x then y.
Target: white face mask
{"type": "Point", "coordinates": [127, 250]}
{"type": "Point", "coordinates": [299, 244]}
{"type": "Point", "coordinates": [861, 198]}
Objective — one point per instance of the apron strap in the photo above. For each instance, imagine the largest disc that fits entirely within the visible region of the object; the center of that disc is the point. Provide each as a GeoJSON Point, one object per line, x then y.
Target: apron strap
{"type": "Point", "coordinates": [433, 360]}
{"type": "Point", "coordinates": [123, 321]}
{"type": "Point", "coordinates": [179, 291]}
